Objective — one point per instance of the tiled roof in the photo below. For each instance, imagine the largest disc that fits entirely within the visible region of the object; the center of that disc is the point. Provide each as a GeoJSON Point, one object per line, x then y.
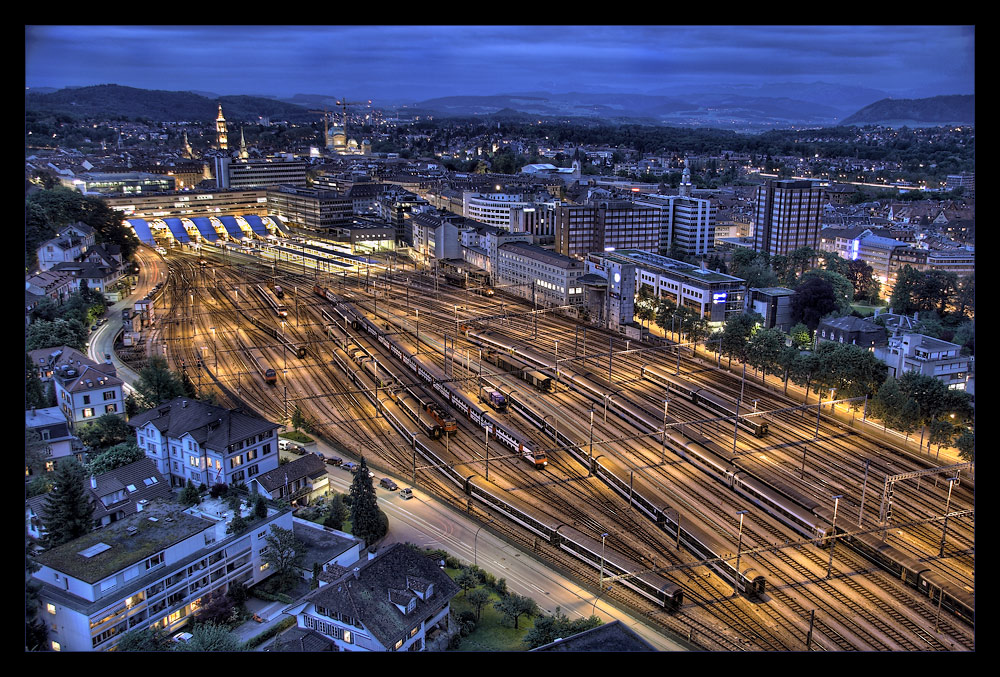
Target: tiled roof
{"type": "Point", "coordinates": [309, 465]}
{"type": "Point", "coordinates": [211, 426]}
{"type": "Point", "coordinates": [365, 592]}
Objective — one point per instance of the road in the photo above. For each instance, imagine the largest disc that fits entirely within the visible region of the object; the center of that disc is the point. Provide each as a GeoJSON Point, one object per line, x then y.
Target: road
{"type": "Point", "coordinates": [428, 523]}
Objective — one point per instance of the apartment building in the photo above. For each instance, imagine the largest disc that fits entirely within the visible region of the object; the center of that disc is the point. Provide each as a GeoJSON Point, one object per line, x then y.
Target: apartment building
{"type": "Point", "coordinates": [150, 570]}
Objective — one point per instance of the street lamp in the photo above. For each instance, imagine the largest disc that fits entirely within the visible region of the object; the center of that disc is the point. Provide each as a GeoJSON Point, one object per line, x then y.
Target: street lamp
{"type": "Point", "coordinates": [739, 548]}
{"type": "Point", "coordinates": [475, 544]}
{"type": "Point", "coordinates": [833, 543]}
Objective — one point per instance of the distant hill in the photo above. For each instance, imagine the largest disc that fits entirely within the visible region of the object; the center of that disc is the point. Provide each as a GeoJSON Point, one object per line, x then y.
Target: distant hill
{"type": "Point", "coordinates": [113, 101]}
{"type": "Point", "coordinates": [936, 110]}
{"type": "Point", "coordinates": [706, 110]}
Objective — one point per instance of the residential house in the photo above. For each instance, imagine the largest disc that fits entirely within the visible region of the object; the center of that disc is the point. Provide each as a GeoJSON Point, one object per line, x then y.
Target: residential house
{"type": "Point", "coordinates": [85, 389]}
{"type": "Point", "coordinates": [944, 361]}
{"type": "Point", "coordinates": [399, 600]}
{"type": "Point", "coordinates": [54, 431]}
{"type": "Point", "coordinates": [850, 329]}
{"type": "Point", "coordinates": [115, 495]}
{"type": "Point", "coordinates": [296, 482]}
{"type": "Point", "coordinates": [193, 440]}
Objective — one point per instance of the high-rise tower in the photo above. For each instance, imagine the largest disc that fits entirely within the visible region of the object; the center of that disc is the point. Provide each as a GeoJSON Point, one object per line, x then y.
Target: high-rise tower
{"type": "Point", "coordinates": [221, 131]}
{"type": "Point", "coordinates": [787, 217]}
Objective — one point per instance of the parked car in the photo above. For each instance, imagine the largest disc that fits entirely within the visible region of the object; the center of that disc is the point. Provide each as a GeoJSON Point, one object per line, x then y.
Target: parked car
{"type": "Point", "coordinates": [350, 466]}
{"type": "Point", "coordinates": [284, 444]}
{"type": "Point", "coordinates": [183, 637]}
{"type": "Point", "coordinates": [387, 483]}
{"type": "Point", "coordinates": [298, 449]}
{"type": "Point", "coordinates": [406, 493]}
{"type": "Point", "coordinates": [333, 461]}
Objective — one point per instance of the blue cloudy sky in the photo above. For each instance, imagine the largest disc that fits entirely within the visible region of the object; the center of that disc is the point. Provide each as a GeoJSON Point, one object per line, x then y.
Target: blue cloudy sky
{"type": "Point", "coordinates": [413, 63]}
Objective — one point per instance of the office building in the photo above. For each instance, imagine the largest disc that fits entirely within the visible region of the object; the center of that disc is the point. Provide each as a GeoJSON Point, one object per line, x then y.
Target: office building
{"type": "Point", "coordinates": [606, 226]}
{"type": "Point", "coordinates": [687, 223]}
{"type": "Point", "coordinates": [314, 209]}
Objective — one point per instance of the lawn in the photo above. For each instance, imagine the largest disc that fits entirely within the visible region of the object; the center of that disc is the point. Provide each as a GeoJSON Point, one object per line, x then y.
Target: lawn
{"type": "Point", "coordinates": [490, 634]}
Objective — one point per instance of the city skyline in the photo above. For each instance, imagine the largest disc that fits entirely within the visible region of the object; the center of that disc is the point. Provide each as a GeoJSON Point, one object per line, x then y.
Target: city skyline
{"type": "Point", "coordinates": [415, 63]}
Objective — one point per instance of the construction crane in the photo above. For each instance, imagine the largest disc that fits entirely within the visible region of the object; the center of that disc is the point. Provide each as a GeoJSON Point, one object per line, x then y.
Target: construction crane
{"type": "Point", "coordinates": [343, 103]}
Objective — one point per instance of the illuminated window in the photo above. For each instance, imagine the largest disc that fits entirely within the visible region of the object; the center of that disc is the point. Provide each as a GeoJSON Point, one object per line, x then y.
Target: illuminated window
{"type": "Point", "coordinates": [51, 608]}
{"type": "Point", "coordinates": [88, 413]}
{"type": "Point", "coordinates": [56, 646]}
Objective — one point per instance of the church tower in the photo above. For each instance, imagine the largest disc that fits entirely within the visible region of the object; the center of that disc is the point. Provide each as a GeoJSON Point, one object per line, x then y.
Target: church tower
{"type": "Point", "coordinates": [685, 187]}
{"type": "Point", "coordinates": [244, 153]}
{"type": "Point", "coordinates": [220, 130]}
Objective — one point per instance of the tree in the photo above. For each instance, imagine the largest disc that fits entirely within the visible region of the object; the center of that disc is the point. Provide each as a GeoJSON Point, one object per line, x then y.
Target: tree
{"type": "Point", "coordinates": [298, 419]}
{"type": "Point", "coordinates": [105, 432]}
{"type": "Point", "coordinates": [34, 390]}
{"type": "Point", "coordinates": [548, 629]}
{"type": "Point", "coordinates": [60, 332]}
{"type": "Point", "coordinates": [513, 606]}
{"type": "Point", "coordinates": [339, 512]}
{"type": "Point", "coordinates": [157, 384]}
{"type": "Point", "coordinates": [36, 452]}
{"type": "Point", "coordinates": [736, 334]}
{"type": "Point", "coordinates": [479, 598]}
{"type": "Point", "coordinates": [189, 494]}
{"type": "Point", "coordinates": [260, 507]}
{"type": "Point", "coordinates": [284, 554]}
{"type": "Point", "coordinates": [35, 631]}
{"type": "Point", "coordinates": [904, 290]}
{"type": "Point", "coordinates": [940, 432]}
{"type": "Point", "coordinates": [115, 457]}
{"type": "Point", "coordinates": [764, 350]}
{"type": "Point", "coordinates": [814, 299]}
{"type": "Point", "coordinates": [466, 580]}
{"type": "Point", "coordinates": [966, 445]}
{"type": "Point", "coordinates": [210, 637]}
{"type": "Point", "coordinates": [143, 639]}
{"type": "Point", "coordinates": [67, 511]}
{"type": "Point", "coordinates": [237, 525]}
{"type": "Point", "coordinates": [364, 506]}
{"type": "Point", "coordinates": [801, 338]}
{"type": "Point", "coordinates": [888, 401]}
{"type": "Point", "coordinates": [843, 292]}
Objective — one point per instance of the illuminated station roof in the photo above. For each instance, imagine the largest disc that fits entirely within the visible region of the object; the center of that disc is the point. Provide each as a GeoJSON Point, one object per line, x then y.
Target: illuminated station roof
{"type": "Point", "coordinates": [142, 231]}
{"type": "Point", "coordinates": [205, 227]}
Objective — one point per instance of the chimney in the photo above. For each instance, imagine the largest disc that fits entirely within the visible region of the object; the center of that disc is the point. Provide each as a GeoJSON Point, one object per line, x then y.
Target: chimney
{"type": "Point", "coordinates": [184, 403]}
{"type": "Point", "coordinates": [357, 572]}
{"type": "Point", "coordinates": [93, 481]}
{"type": "Point", "coordinates": [372, 554]}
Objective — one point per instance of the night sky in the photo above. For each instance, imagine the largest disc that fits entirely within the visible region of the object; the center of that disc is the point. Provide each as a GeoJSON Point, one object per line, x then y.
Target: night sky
{"type": "Point", "coordinates": [413, 63]}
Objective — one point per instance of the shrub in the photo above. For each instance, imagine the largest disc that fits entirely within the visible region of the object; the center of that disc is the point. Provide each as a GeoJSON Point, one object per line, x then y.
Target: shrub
{"type": "Point", "coordinates": [218, 490]}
